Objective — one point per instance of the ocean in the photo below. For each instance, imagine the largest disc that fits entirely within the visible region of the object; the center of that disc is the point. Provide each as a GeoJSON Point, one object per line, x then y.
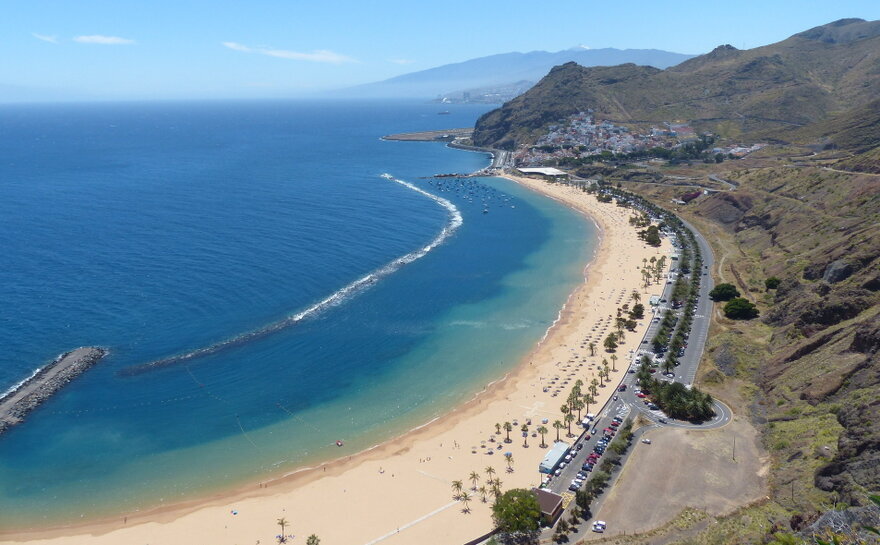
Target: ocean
{"type": "Point", "coordinates": [269, 278]}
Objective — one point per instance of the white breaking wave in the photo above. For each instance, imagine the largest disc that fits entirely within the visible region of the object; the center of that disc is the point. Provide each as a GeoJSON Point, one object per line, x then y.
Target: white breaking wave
{"type": "Point", "coordinates": [455, 221]}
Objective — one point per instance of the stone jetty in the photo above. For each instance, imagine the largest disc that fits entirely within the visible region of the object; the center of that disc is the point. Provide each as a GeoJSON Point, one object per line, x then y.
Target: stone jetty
{"type": "Point", "coordinates": [18, 402]}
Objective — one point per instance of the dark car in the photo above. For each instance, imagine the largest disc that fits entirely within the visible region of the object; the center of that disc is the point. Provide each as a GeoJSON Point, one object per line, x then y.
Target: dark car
{"type": "Point", "coordinates": [622, 388]}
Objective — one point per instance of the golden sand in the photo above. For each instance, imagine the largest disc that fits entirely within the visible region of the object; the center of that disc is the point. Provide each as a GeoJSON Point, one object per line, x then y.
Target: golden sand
{"type": "Point", "coordinates": [401, 492]}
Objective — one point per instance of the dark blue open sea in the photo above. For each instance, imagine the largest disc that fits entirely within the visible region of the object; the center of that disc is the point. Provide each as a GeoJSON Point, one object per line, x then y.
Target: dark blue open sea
{"type": "Point", "coordinates": [319, 299]}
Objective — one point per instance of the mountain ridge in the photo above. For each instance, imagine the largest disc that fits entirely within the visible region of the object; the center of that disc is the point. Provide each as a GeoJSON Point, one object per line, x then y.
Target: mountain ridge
{"type": "Point", "coordinates": [797, 81]}
{"type": "Point", "coordinates": [506, 68]}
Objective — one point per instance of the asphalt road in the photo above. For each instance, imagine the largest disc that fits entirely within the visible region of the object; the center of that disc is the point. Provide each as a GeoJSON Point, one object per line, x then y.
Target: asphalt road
{"type": "Point", "coordinates": [626, 403]}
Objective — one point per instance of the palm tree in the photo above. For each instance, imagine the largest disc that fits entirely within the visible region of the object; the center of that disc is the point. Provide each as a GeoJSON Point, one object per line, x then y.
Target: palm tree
{"type": "Point", "coordinates": [543, 431]}
{"type": "Point", "coordinates": [558, 425]}
{"type": "Point", "coordinates": [489, 472]}
{"type": "Point", "coordinates": [313, 540]}
{"type": "Point", "coordinates": [457, 487]}
{"type": "Point", "coordinates": [607, 371]}
{"type": "Point", "coordinates": [565, 409]}
{"type": "Point", "coordinates": [525, 430]}
{"type": "Point", "coordinates": [614, 362]}
{"type": "Point", "coordinates": [282, 522]}
{"type": "Point", "coordinates": [483, 491]}
{"type": "Point", "coordinates": [509, 457]}
{"type": "Point", "coordinates": [497, 429]}
{"type": "Point", "coordinates": [620, 323]}
{"type": "Point", "coordinates": [508, 427]}
{"type": "Point", "coordinates": [475, 478]}
{"type": "Point", "coordinates": [465, 498]}
{"type": "Point", "coordinates": [578, 406]}
{"type": "Point", "coordinates": [636, 296]}
{"type": "Point", "coordinates": [587, 400]}
{"type": "Point", "coordinates": [593, 384]}
{"type": "Point", "coordinates": [592, 346]}
{"type": "Point", "coordinates": [572, 396]}
{"type": "Point", "coordinates": [569, 418]}
{"type": "Point", "coordinates": [496, 488]}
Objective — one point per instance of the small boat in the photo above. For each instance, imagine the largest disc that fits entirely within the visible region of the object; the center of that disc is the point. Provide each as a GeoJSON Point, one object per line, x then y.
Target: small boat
{"type": "Point", "coordinates": [339, 443]}
{"type": "Point", "coordinates": [444, 112]}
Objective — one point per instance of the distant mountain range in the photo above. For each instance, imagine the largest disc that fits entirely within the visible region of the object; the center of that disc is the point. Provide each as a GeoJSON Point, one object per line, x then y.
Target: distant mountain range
{"type": "Point", "coordinates": [505, 71]}
{"type": "Point", "coordinates": [803, 79]}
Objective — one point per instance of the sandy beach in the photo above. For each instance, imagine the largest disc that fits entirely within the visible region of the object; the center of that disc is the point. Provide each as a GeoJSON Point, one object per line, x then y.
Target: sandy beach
{"type": "Point", "coordinates": [400, 492]}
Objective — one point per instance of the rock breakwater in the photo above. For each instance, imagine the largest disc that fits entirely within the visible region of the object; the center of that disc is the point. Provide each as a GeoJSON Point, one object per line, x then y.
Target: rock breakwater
{"type": "Point", "coordinates": [28, 395]}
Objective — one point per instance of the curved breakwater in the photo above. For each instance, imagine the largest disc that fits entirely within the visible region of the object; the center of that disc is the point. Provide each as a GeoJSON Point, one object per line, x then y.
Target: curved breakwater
{"type": "Point", "coordinates": [455, 221]}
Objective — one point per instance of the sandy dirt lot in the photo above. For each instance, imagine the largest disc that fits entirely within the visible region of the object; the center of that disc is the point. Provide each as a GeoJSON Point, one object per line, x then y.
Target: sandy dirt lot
{"type": "Point", "coordinates": [686, 468]}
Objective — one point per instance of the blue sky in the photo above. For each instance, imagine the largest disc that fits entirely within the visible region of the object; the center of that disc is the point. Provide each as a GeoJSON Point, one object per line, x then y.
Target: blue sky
{"type": "Point", "coordinates": [159, 49]}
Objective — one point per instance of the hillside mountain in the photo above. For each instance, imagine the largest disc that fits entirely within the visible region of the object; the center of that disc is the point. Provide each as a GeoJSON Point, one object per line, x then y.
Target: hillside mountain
{"type": "Point", "coordinates": [811, 362]}
{"type": "Point", "coordinates": [800, 80]}
{"type": "Point", "coordinates": [856, 131]}
{"type": "Point", "coordinates": [506, 69]}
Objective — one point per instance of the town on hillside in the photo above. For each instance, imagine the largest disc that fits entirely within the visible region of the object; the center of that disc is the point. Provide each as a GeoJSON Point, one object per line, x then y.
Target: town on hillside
{"type": "Point", "coordinates": [582, 138]}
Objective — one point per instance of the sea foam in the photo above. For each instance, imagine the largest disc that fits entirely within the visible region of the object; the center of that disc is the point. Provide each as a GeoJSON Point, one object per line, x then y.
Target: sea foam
{"type": "Point", "coordinates": [455, 221]}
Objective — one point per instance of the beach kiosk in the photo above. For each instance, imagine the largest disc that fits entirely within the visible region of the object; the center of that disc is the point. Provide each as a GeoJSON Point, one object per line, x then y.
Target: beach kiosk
{"type": "Point", "coordinates": [555, 455]}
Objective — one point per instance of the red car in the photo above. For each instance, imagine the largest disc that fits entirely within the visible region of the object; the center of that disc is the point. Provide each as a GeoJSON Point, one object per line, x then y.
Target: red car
{"type": "Point", "coordinates": [640, 394]}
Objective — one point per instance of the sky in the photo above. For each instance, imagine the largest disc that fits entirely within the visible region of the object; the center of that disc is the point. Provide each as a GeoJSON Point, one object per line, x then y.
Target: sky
{"type": "Point", "coordinates": [190, 49]}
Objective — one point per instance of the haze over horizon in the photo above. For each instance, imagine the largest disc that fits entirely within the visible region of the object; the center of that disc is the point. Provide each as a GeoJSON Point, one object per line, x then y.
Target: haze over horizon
{"type": "Point", "coordinates": [105, 50]}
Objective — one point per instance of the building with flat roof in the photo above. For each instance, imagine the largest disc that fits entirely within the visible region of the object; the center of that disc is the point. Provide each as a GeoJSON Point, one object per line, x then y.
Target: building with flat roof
{"type": "Point", "coordinates": [548, 172]}
{"type": "Point", "coordinates": [555, 455]}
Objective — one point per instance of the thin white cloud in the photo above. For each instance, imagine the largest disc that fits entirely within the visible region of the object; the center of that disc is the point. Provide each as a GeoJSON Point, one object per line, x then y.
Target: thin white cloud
{"type": "Point", "coordinates": [103, 40]}
{"type": "Point", "coordinates": [320, 55]}
{"type": "Point", "coordinates": [45, 37]}
{"type": "Point", "coordinates": [401, 61]}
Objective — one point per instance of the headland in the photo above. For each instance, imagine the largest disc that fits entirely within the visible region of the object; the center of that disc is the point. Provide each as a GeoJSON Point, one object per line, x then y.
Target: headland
{"type": "Point", "coordinates": [443, 135]}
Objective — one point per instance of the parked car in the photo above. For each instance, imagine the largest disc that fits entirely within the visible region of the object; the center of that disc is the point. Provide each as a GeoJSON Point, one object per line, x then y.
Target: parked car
{"type": "Point", "coordinates": [622, 388]}
{"type": "Point", "coordinates": [646, 441]}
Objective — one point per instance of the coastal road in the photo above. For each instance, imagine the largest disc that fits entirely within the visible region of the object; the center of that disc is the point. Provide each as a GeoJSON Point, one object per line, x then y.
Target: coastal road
{"type": "Point", "coordinates": [626, 404]}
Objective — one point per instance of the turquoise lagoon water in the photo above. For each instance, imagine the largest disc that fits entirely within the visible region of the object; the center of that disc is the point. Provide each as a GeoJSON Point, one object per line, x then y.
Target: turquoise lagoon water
{"type": "Point", "coordinates": [157, 230]}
